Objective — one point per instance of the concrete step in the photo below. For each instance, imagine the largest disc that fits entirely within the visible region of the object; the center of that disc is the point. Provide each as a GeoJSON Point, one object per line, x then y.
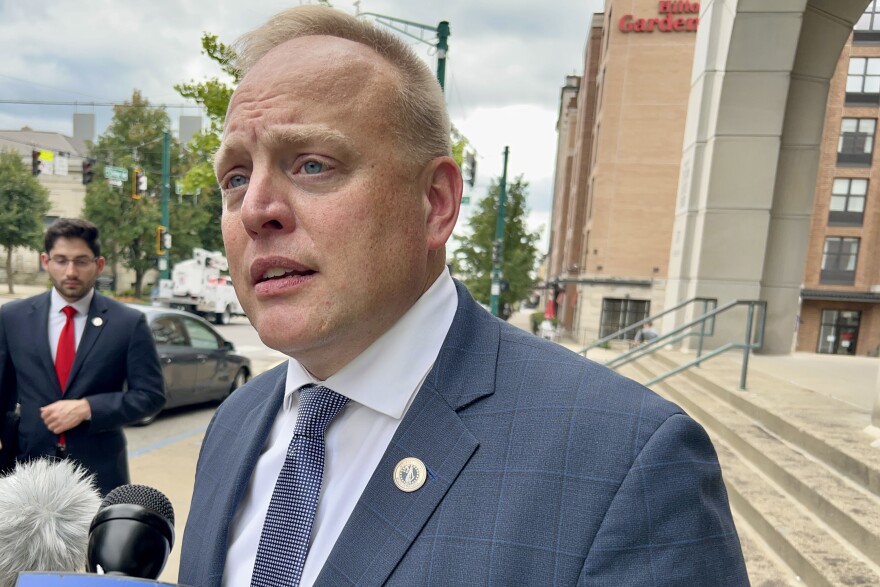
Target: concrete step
{"type": "Point", "coordinates": [831, 431]}
{"type": "Point", "coordinates": [824, 527]}
{"type": "Point", "coordinates": [765, 567]}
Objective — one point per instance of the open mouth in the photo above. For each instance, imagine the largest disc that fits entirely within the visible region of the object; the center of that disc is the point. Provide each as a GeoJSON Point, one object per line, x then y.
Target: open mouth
{"type": "Point", "coordinates": [276, 273]}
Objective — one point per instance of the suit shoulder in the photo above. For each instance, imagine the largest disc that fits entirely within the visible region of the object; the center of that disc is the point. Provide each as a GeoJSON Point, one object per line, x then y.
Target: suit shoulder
{"type": "Point", "coordinates": [564, 375]}
{"type": "Point", "coordinates": [116, 307]}
{"type": "Point", "coordinates": [16, 306]}
{"type": "Point", "coordinates": [255, 391]}
{"type": "Point", "coordinates": [21, 303]}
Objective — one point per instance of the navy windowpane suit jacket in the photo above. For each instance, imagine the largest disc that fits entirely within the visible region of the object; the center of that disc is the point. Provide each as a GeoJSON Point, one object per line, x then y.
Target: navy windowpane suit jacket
{"type": "Point", "coordinates": [543, 469]}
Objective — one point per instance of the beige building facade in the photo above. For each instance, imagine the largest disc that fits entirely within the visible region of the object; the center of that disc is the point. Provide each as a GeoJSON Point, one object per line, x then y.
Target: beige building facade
{"type": "Point", "coordinates": [705, 126]}
{"type": "Point", "coordinates": [621, 128]}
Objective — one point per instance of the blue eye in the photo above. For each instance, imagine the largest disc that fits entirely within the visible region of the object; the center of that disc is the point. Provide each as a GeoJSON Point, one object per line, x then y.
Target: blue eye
{"type": "Point", "coordinates": [312, 167]}
{"type": "Point", "coordinates": [237, 181]}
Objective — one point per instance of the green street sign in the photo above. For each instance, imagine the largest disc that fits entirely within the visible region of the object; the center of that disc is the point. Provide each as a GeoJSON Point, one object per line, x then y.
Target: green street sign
{"type": "Point", "coordinates": [116, 173]}
{"type": "Point", "coordinates": [465, 199]}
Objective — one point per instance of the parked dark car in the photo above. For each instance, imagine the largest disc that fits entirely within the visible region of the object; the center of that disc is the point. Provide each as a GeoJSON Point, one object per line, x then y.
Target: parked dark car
{"type": "Point", "coordinates": [198, 364]}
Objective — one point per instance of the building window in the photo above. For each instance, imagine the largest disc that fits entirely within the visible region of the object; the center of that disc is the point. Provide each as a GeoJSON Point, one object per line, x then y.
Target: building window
{"type": "Point", "coordinates": [863, 81]}
{"type": "Point", "coordinates": [856, 143]}
{"type": "Point", "coordinates": [617, 314]}
{"type": "Point", "coordinates": [847, 202]}
{"type": "Point", "coordinates": [839, 260]}
{"type": "Point", "coordinates": [839, 332]}
{"type": "Point", "coordinates": [867, 29]}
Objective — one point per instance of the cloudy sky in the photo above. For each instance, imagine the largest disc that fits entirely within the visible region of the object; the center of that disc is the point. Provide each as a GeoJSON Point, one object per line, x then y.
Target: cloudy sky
{"type": "Point", "coordinates": [506, 65]}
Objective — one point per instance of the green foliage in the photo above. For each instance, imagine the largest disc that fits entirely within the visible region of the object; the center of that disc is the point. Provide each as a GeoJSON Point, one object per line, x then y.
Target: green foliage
{"type": "Point", "coordinates": [23, 204]}
{"type": "Point", "coordinates": [473, 259]}
{"type": "Point", "coordinates": [128, 226]}
{"type": "Point", "coordinates": [459, 143]}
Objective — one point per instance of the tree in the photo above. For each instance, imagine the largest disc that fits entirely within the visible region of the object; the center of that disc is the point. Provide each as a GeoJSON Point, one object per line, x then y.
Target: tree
{"type": "Point", "coordinates": [128, 225]}
{"type": "Point", "coordinates": [473, 259]}
{"type": "Point", "coordinates": [24, 202]}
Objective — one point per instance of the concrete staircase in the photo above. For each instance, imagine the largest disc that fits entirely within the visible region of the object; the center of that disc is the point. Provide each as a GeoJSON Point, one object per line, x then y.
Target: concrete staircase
{"type": "Point", "coordinates": [801, 472]}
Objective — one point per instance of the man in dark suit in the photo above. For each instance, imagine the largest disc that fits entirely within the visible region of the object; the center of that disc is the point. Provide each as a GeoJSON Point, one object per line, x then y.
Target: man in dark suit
{"type": "Point", "coordinates": [66, 357]}
{"type": "Point", "coordinates": [412, 438]}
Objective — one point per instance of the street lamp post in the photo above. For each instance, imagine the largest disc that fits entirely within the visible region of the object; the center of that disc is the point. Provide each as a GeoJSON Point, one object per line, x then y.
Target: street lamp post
{"type": "Point", "coordinates": [498, 243]}
{"type": "Point", "coordinates": [164, 269]}
{"type": "Point", "coordinates": [441, 29]}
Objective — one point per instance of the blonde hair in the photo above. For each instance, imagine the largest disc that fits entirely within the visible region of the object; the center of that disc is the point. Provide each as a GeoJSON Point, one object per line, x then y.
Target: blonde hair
{"type": "Point", "coordinates": [421, 120]}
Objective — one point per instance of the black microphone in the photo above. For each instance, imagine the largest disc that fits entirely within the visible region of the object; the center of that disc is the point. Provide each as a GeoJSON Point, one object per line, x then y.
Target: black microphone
{"type": "Point", "coordinates": [132, 534]}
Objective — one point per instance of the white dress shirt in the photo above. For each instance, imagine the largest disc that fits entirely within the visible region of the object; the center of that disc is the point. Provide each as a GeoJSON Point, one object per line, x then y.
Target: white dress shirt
{"type": "Point", "coordinates": [57, 318]}
{"type": "Point", "coordinates": [380, 383]}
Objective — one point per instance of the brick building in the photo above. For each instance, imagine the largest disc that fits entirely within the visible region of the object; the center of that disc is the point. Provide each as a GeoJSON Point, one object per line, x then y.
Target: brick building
{"type": "Point", "coordinates": [619, 170]}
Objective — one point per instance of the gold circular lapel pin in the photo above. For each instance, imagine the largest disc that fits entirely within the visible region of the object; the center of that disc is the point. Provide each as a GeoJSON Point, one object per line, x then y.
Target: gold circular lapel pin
{"type": "Point", "coordinates": [410, 474]}
{"type": "Point", "coordinates": [97, 321]}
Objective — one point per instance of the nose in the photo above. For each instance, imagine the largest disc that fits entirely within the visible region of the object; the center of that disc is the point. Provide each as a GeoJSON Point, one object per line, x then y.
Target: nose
{"type": "Point", "coordinates": [268, 205]}
{"type": "Point", "coordinates": [70, 271]}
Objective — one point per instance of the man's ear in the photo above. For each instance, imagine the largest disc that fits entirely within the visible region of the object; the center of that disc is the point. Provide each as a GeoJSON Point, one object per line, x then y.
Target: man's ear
{"type": "Point", "coordinates": [443, 187]}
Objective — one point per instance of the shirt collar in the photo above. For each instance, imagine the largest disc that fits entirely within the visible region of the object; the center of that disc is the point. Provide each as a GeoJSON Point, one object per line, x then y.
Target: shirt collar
{"type": "Point", "coordinates": [388, 373]}
{"type": "Point", "coordinates": [82, 305]}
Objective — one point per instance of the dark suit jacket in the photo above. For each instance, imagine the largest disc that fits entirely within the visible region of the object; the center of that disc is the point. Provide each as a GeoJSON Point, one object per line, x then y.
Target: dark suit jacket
{"type": "Point", "coordinates": [543, 469]}
{"type": "Point", "coordinates": [116, 349]}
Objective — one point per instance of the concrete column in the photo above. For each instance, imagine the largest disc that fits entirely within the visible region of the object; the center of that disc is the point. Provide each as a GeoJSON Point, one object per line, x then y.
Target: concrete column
{"type": "Point", "coordinates": [743, 59]}
{"type": "Point", "coordinates": [875, 415]}
{"type": "Point", "coordinates": [750, 155]}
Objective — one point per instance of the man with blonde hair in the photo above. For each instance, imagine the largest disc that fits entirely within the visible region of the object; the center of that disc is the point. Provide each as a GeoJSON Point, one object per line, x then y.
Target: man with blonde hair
{"type": "Point", "coordinates": [412, 438]}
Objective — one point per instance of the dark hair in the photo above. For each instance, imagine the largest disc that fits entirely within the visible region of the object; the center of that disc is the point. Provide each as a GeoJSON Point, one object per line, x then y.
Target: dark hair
{"type": "Point", "coordinates": [73, 228]}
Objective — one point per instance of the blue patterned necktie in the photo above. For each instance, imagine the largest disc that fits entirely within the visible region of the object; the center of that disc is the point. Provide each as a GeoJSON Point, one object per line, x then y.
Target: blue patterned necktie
{"type": "Point", "coordinates": [284, 542]}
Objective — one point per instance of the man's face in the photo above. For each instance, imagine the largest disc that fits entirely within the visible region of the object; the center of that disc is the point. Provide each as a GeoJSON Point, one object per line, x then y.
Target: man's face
{"type": "Point", "coordinates": [325, 225]}
{"type": "Point", "coordinates": [72, 267]}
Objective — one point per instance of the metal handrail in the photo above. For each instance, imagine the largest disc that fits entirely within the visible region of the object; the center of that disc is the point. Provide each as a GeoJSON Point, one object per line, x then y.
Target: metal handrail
{"type": "Point", "coordinates": [750, 342]}
{"type": "Point", "coordinates": [614, 336]}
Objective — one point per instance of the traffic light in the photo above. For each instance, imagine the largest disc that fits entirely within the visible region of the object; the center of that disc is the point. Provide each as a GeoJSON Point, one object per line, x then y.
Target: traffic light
{"type": "Point", "coordinates": [88, 171]}
{"type": "Point", "coordinates": [35, 163]}
{"type": "Point", "coordinates": [161, 237]}
{"type": "Point", "coordinates": [138, 184]}
{"type": "Point", "coordinates": [470, 168]}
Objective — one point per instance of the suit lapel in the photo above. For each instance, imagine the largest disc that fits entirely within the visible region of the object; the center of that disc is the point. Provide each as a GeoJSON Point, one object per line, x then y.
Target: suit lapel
{"type": "Point", "coordinates": [386, 521]}
{"type": "Point", "coordinates": [96, 322]}
{"type": "Point", "coordinates": [245, 450]}
{"type": "Point", "coordinates": [40, 317]}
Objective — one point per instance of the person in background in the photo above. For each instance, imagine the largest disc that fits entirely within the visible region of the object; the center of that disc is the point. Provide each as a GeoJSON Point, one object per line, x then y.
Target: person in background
{"type": "Point", "coordinates": [75, 365]}
{"type": "Point", "coordinates": [646, 333]}
{"type": "Point", "coordinates": [412, 438]}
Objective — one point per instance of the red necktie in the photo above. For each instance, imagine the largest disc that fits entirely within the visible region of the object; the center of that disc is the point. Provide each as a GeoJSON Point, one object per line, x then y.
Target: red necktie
{"type": "Point", "coordinates": [66, 348]}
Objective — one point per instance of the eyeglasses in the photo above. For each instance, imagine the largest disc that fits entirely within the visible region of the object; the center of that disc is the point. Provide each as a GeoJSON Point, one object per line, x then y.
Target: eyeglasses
{"type": "Point", "coordinates": [79, 262]}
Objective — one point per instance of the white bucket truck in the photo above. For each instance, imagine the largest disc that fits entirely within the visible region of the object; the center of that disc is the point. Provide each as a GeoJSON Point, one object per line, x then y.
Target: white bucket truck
{"type": "Point", "coordinates": [200, 285]}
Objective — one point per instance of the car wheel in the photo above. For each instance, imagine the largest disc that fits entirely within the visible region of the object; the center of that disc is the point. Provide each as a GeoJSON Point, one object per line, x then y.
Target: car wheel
{"type": "Point", "coordinates": [223, 318]}
{"type": "Point", "coordinates": [146, 420]}
{"type": "Point", "coordinates": [240, 379]}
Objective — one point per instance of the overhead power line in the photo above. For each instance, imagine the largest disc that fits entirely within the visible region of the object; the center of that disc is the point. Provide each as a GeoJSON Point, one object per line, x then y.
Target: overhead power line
{"type": "Point", "coordinates": [95, 104]}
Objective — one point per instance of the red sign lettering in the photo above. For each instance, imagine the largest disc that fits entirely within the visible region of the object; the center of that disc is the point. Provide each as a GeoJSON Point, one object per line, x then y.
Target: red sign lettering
{"type": "Point", "coordinates": [668, 23]}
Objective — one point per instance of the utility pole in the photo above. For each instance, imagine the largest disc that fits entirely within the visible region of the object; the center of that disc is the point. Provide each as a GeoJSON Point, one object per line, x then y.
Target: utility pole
{"type": "Point", "coordinates": [166, 194]}
{"type": "Point", "coordinates": [441, 29]}
{"type": "Point", "coordinates": [498, 243]}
